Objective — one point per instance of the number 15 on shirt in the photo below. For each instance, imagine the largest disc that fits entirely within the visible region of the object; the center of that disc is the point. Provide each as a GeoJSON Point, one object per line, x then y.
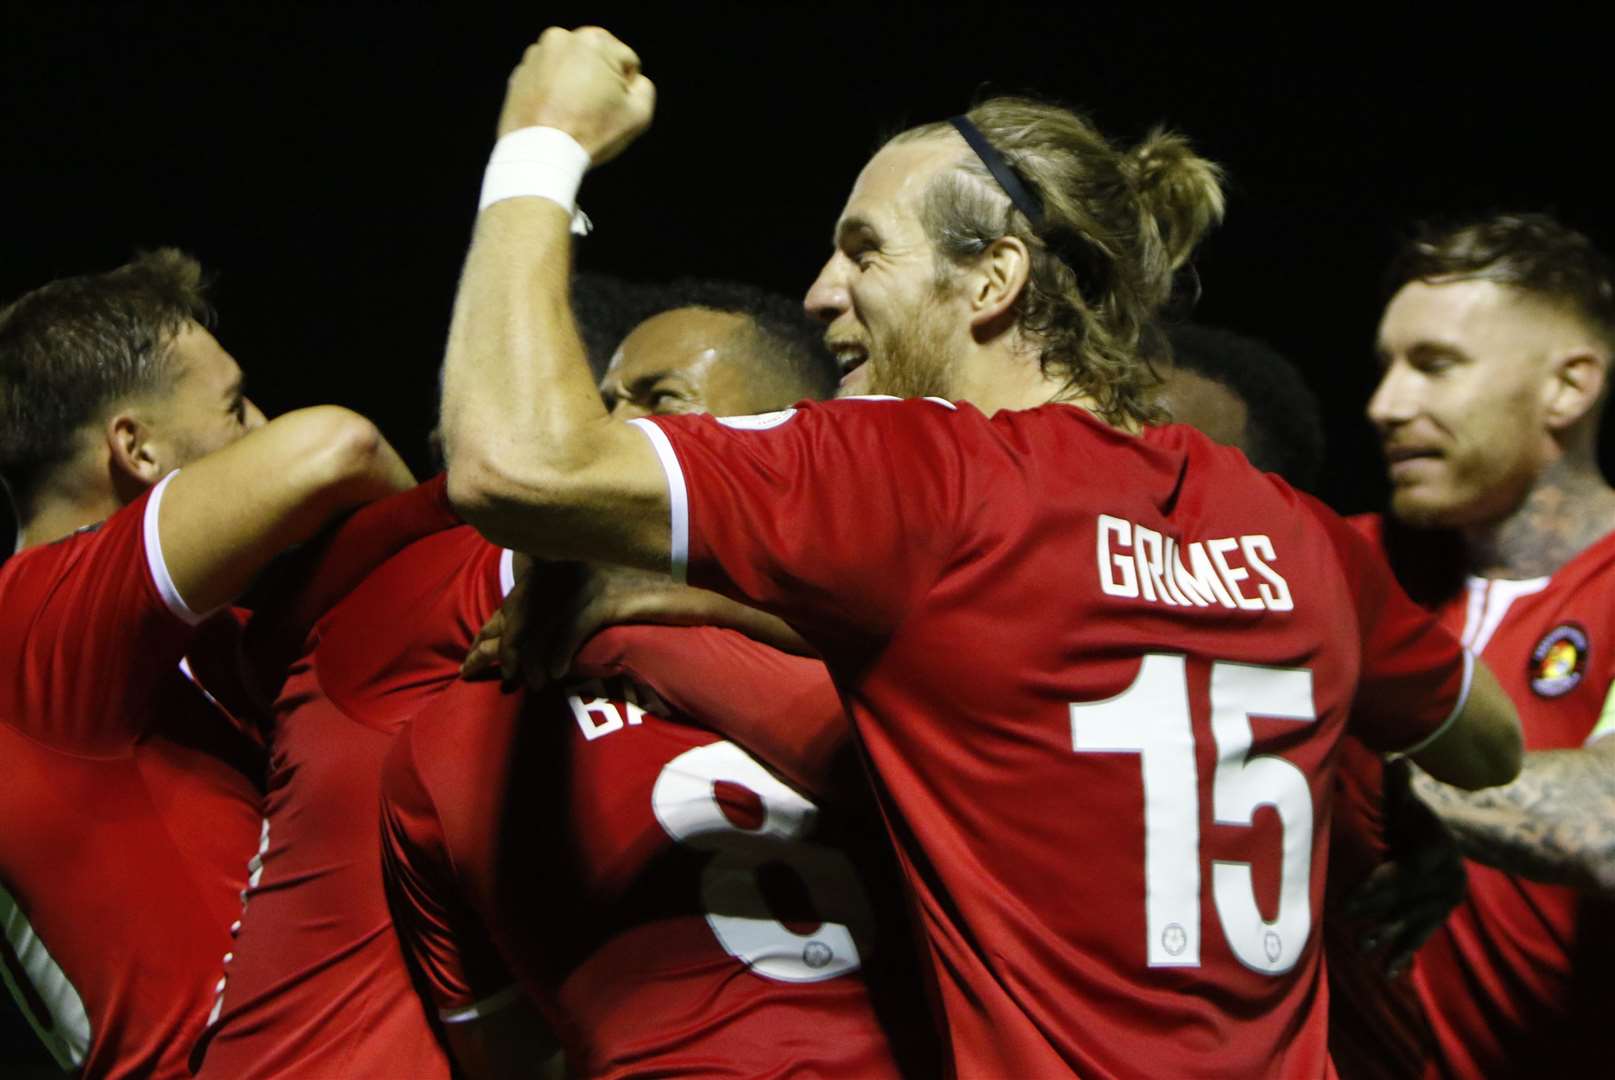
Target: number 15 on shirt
{"type": "Point", "coordinates": [1151, 719]}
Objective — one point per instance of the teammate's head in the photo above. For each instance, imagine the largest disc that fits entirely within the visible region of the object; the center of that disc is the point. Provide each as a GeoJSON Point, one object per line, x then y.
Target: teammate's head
{"type": "Point", "coordinates": [718, 347]}
{"type": "Point", "coordinates": [1241, 392]}
{"type": "Point", "coordinates": [606, 308]}
{"type": "Point", "coordinates": [1495, 349]}
{"type": "Point", "coordinates": [116, 367]}
{"type": "Point", "coordinates": [933, 258]}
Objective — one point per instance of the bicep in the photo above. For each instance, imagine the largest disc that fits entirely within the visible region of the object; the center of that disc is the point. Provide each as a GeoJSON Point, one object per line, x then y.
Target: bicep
{"type": "Point", "coordinates": [225, 516]}
{"type": "Point", "coordinates": [1481, 746]}
{"type": "Point", "coordinates": [610, 505]}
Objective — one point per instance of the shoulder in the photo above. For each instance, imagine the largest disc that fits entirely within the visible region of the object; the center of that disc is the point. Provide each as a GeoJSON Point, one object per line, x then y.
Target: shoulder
{"type": "Point", "coordinates": [467, 724]}
{"type": "Point", "coordinates": [423, 572]}
{"type": "Point", "coordinates": [1370, 527]}
{"type": "Point", "coordinates": [110, 555]}
{"type": "Point", "coordinates": [1594, 564]}
{"type": "Point", "coordinates": [849, 414]}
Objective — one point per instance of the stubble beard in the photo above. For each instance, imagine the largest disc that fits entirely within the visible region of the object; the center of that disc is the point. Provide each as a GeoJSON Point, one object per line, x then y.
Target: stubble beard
{"type": "Point", "coordinates": [917, 360]}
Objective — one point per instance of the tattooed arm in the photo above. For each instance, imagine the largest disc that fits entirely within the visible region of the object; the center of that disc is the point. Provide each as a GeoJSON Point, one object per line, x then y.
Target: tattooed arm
{"type": "Point", "coordinates": [1556, 823]}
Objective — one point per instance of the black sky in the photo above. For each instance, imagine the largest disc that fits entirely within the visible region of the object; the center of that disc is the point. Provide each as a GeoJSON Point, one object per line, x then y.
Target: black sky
{"type": "Point", "coordinates": [324, 161]}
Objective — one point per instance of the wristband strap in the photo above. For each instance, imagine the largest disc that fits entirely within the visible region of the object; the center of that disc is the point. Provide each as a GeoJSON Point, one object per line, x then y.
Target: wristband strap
{"type": "Point", "coordinates": [543, 162]}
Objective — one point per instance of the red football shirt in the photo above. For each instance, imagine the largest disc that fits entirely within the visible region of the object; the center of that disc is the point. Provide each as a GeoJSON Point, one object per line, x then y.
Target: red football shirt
{"type": "Point", "coordinates": [673, 907]}
{"type": "Point", "coordinates": [1516, 982]}
{"type": "Point", "coordinates": [1100, 680]}
{"type": "Point", "coordinates": [132, 800]}
{"type": "Point", "coordinates": [317, 985]}
{"type": "Point", "coordinates": [1376, 1029]}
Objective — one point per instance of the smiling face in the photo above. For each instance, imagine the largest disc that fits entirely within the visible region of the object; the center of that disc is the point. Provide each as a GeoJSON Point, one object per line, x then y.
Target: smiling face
{"type": "Point", "coordinates": [690, 360]}
{"type": "Point", "coordinates": [1461, 406]}
{"type": "Point", "coordinates": [890, 321]}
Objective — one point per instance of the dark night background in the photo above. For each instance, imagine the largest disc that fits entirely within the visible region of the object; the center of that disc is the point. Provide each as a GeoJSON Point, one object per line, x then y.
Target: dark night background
{"type": "Point", "coordinates": [324, 161]}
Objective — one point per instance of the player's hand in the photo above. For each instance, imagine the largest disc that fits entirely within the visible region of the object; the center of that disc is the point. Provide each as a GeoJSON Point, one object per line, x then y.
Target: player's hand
{"type": "Point", "coordinates": [483, 659]}
{"type": "Point", "coordinates": [498, 646]}
{"type": "Point", "coordinates": [584, 82]}
{"type": "Point", "coordinates": [609, 595]}
{"type": "Point", "coordinates": [1405, 900]}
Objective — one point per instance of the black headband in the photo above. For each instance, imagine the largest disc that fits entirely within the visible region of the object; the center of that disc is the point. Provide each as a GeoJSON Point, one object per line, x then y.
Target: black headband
{"type": "Point", "coordinates": [1025, 200]}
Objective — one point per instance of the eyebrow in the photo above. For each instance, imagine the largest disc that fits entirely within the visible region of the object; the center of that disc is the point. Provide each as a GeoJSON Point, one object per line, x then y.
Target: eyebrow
{"type": "Point", "coordinates": [1437, 348]}
{"type": "Point", "coordinates": [848, 226]}
{"type": "Point", "coordinates": [650, 379]}
{"type": "Point", "coordinates": [1422, 349]}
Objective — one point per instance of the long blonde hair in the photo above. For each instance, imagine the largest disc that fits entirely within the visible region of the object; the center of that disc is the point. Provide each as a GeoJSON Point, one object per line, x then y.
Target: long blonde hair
{"type": "Point", "coordinates": [1116, 226]}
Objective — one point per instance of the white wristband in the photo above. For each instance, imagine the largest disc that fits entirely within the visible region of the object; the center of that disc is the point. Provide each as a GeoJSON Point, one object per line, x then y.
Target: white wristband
{"type": "Point", "coordinates": [544, 162]}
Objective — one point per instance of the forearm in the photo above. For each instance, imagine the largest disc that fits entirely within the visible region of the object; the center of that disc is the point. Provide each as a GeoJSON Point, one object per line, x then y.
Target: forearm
{"type": "Point", "coordinates": [1555, 823]}
{"type": "Point", "coordinates": [516, 386]}
{"type": "Point", "coordinates": [714, 609]}
{"type": "Point", "coordinates": [534, 460]}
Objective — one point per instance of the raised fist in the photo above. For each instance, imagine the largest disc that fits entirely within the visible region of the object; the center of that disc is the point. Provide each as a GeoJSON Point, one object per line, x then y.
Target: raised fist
{"type": "Point", "coordinates": [584, 82]}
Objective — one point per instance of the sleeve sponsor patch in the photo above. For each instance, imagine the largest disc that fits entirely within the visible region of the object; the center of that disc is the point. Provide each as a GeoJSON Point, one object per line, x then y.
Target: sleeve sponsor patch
{"type": "Point", "coordinates": [757, 422]}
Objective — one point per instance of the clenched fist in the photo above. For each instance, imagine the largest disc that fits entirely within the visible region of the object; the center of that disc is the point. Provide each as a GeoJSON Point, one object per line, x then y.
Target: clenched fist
{"type": "Point", "coordinates": [584, 82]}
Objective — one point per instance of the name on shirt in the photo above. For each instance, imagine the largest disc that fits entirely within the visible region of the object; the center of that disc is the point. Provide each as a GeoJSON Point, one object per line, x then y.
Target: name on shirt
{"type": "Point", "coordinates": [1139, 563]}
{"type": "Point", "coordinates": [602, 707]}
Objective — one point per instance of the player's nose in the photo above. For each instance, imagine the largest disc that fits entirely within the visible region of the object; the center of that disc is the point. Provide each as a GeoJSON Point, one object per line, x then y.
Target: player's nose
{"type": "Point", "coordinates": [1394, 400]}
{"type": "Point", "coordinates": [254, 418]}
{"type": "Point", "coordinates": [827, 297]}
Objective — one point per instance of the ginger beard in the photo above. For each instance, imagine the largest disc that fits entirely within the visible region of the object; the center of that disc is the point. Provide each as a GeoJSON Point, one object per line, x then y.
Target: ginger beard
{"type": "Point", "coordinates": [916, 358]}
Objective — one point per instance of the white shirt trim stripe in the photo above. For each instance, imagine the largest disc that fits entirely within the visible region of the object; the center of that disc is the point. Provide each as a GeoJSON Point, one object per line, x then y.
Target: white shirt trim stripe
{"type": "Point", "coordinates": [678, 498]}
{"type": "Point", "coordinates": [1489, 601]}
{"type": "Point", "coordinates": [1463, 699]}
{"type": "Point", "coordinates": [158, 565]}
{"type": "Point", "coordinates": [66, 1031]}
{"type": "Point", "coordinates": [507, 571]}
{"type": "Point", "coordinates": [485, 1007]}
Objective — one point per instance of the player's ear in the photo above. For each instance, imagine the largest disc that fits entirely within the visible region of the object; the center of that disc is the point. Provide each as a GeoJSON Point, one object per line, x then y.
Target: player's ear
{"type": "Point", "coordinates": [136, 455]}
{"type": "Point", "coordinates": [1574, 387]}
{"type": "Point", "coordinates": [996, 282]}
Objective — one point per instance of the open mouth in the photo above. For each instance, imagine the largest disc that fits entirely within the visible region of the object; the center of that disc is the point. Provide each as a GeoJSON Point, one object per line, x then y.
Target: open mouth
{"type": "Point", "coordinates": [850, 357]}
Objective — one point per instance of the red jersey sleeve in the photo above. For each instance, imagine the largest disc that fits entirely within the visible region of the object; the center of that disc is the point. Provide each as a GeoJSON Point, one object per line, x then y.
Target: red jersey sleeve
{"type": "Point", "coordinates": [835, 515]}
{"type": "Point", "coordinates": [384, 658]}
{"type": "Point", "coordinates": [364, 540]}
{"type": "Point", "coordinates": [782, 708]}
{"type": "Point", "coordinates": [105, 624]}
{"type": "Point", "coordinates": [455, 959]}
{"type": "Point", "coordinates": [1415, 675]}
{"type": "Point", "coordinates": [296, 592]}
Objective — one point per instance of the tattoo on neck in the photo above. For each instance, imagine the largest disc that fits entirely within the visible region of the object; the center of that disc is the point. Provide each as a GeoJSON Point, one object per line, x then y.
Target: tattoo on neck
{"type": "Point", "coordinates": [1568, 508]}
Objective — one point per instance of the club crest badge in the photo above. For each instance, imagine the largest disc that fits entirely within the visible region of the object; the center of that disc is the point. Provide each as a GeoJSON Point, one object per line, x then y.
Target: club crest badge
{"type": "Point", "coordinates": [1559, 660]}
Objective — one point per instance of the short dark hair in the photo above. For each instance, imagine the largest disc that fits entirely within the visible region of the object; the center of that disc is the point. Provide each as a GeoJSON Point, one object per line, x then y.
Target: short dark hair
{"type": "Point", "coordinates": [791, 344]}
{"type": "Point", "coordinates": [71, 348]}
{"type": "Point", "coordinates": [1529, 251]}
{"type": "Point", "coordinates": [606, 308]}
{"type": "Point", "coordinates": [1283, 425]}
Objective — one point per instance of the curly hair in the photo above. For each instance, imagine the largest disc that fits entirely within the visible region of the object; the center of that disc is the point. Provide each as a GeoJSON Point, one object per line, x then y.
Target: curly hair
{"type": "Point", "coordinates": [1283, 425]}
{"type": "Point", "coordinates": [1117, 226]}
